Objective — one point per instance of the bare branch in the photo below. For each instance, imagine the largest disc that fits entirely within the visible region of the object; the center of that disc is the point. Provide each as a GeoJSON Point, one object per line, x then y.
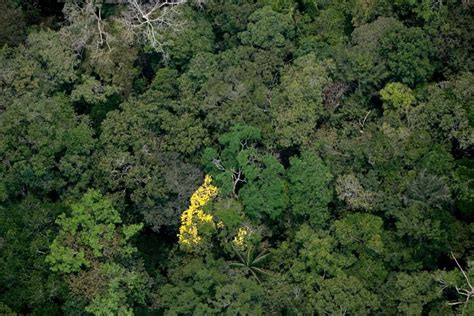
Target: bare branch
{"type": "Point", "coordinates": [148, 20]}
{"type": "Point", "coordinates": [362, 124]}
{"type": "Point", "coordinates": [468, 293]}
{"type": "Point", "coordinates": [464, 273]}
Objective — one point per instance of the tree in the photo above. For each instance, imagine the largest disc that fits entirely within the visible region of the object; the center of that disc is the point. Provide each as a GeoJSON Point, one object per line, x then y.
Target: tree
{"type": "Point", "coordinates": [256, 178]}
{"type": "Point", "coordinates": [345, 295]}
{"type": "Point", "coordinates": [93, 252]}
{"type": "Point", "coordinates": [460, 280]}
{"type": "Point", "coordinates": [196, 36]}
{"type": "Point", "coordinates": [429, 190]}
{"type": "Point", "coordinates": [45, 148]}
{"type": "Point", "coordinates": [410, 293]}
{"type": "Point", "coordinates": [338, 135]}
{"type": "Point", "coordinates": [231, 88]}
{"type": "Point", "coordinates": [250, 261]}
{"type": "Point", "coordinates": [409, 55]}
{"type": "Point", "coordinates": [309, 188]}
{"type": "Point", "coordinates": [444, 114]}
{"type": "Point", "coordinates": [194, 217]}
{"type": "Point", "coordinates": [298, 105]}
{"type": "Point", "coordinates": [313, 257]}
{"type": "Point", "coordinates": [265, 191]}
{"type": "Point", "coordinates": [227, 165]}
{"type": "Point", "coordinates": [181, 179]}
{"type": "Point", "coordinates": [110, 36]}
{"type": "Point", "coordinates": [426, 231]}
{"type": "Point", "coordinates": [42, 66]}
{"type": "Point", "coordinates": [366, 11]}
{"type": "Point", "coordinates": [148, 21]}
{"type": "Point", "coordinates": [12, 24]}
{"type": "Point", "coordinates": [206, 286]}
{"type": "Point", "coordinates": [350, 190]}
{"type": "Point", "coordinates": [139, 159]}
{"type": "Point", "coordinates": [270, 30]}
{"type": "Point", "coordinates": [229, 19]}
{"type": "Point", "coordinates": [92, 24]}
{"type": "Point", "coordinates": [26, 282]}
{"type": "Point", "coordinates": [360, 233]}
{"type": "Point", "coordinates": [397, 97]}
{"type": "Point", "coordinates": [367, 65]}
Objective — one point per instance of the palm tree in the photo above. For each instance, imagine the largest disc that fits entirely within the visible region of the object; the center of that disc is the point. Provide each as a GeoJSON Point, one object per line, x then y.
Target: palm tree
{"type": "Point", "coordinates": [251, 262]}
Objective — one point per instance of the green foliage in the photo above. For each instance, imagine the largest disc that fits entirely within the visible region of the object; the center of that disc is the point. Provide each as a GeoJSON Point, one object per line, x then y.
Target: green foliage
{"type": "Point", "coordinates": [367, 66]}
{"type": "Point", "coordinates": [451, 39]}
{"type": "Point", "coordinates": [409, 55]}
{"type": "Point", "coordinates": [113, 64]}
{"type": "Point", "coordinates": [298, 105]}
{"type": "Point", "coordinates": [122, 283]}
{"type": "Point", "coordinates": [239, 146]}
{"type": "Point", "coordinates": [397, 96]}
{"type": "Point", "coordinates": [12, 23]}
{"type": "Point", "coordinates": [423, 9]}
{"type": "Point", "coordinates": [464, 185]}
{"type": "Point", "coordinates": [205, 287]}
{"type": "Point", "coordinates": [181, 179]}
{"type": "Point", "coordinates": [350, 190]}
{"type": "Point", "coordinates": [26, 233]}
{"type": "Point", "coordinates": [165, 83]}
{"type": "Point", "coordinates": [415, 292]}
{"type": "Point", "coordinates": [309, 188]}
{"type": "Point", "coordinates": [42, 66]}
{"type": "Point", "coordinates": [327, 35]}
{"type": "Point", "coordinates": [339, 135]}
{"type": "Point", "coordinates": [91, 231]}
{"type": "Point", "coordinates": [430, 191]}
{"type": "Point", "coordinates": [251, 262]}
{"type": "Point", "coordinates": [229, 18]}
{"type": "Point", "coordinates": [444, 116]}
{"type": "Point", "coordinates": [268, 29]}
{"type": "Point", "coordinates": [135, 162]}
{"type": "Point", "coordinates": [347, 295]}
{"type": "Point", "coordinates": [45, 147]}
{"type": "Point", "coordinates": [230, 212]}
{"type": "Point", "coordinates": [196, 37]}
{"type": "Point", "coordinates": [364, 11]}
{"type": "Point", "coordinates": [263, 189]}
{"type": "Point", "coordinates": [92, 92]}
{"type": "Point", "coordinates": [361, 233]}
{"type": "Point", "coordinates": [89, 249]}
{"type": "Point", "coordinates": [314, 253]}
{"type": "Point", "coordinates": [425, 230]}
{"type": "Point", "coordinates": [230, 88]}
{"type": "Point", "coordinates": [458, 280]}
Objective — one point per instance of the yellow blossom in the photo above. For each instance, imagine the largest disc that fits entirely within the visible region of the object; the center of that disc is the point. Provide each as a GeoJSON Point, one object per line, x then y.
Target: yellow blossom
{"type": "Point", "coordinates": [240, 240]}
{"type": "Point", "coordinates": [194, 215]}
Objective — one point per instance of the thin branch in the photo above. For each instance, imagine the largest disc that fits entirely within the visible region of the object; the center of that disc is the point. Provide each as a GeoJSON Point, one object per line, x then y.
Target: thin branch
{"type": "Point", "coordinates": [464, 273]}
{"type": "Point", "coordinates": [362, 124]}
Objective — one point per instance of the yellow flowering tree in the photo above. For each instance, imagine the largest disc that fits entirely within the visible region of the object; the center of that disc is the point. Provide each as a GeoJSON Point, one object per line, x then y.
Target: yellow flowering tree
{"type": "Point", "coordinates": [195, 215]}
{"type": "Point", "coordinates": [194, 220]}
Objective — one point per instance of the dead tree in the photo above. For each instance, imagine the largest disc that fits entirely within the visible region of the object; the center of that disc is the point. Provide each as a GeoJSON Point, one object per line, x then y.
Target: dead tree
{"type": "Point", "coordinates": [147, 21]}
{"type": "Point", "coordinates": [467, 292]}
{"type": "Point", "coordinates": [85, 25]}
{"type": "Point", "coordinates": [140, 20]}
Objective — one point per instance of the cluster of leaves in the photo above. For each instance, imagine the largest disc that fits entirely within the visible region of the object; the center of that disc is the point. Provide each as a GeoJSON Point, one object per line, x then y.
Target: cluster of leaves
{"type": "Point", "coordinates": [339, 136]}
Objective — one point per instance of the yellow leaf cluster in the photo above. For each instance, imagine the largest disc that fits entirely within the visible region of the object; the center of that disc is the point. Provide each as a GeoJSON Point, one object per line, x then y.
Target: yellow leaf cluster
{"type": "Point", "coordinates": [241, 238]}
{"type": "Point", "coordinates": [194, 215]}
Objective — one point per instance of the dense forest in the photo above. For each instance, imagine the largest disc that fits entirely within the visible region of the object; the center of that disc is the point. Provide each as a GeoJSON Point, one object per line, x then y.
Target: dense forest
{"type": "Point", "coordinates": [237, 157]}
